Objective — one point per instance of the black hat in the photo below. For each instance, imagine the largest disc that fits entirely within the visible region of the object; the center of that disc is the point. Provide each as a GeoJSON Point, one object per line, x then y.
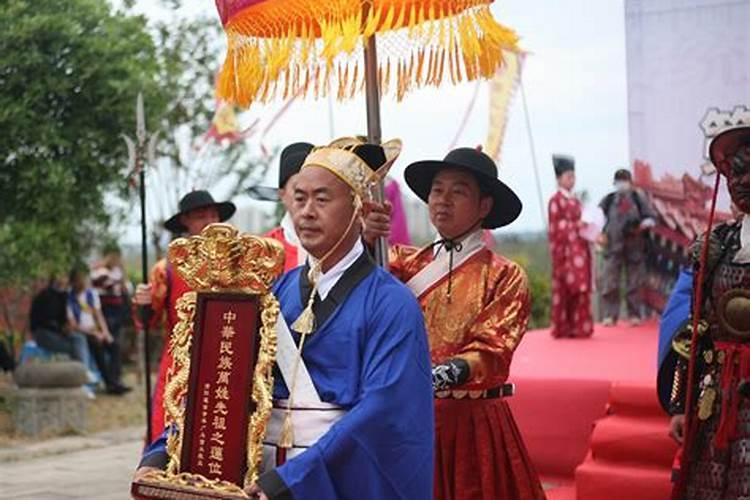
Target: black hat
{"type": "Point", "coordinates": [291, 160]}
{"type": "Point", "coordinates": [194, 200]}
{"type": "Point", "coordinates": [725, 145]}
{"type": "Point", "coordinates": [623, 174]}
{"type": "Point", "coordinates": [506, 206]}
{"type": "Point", "coordinates": [563, 163]}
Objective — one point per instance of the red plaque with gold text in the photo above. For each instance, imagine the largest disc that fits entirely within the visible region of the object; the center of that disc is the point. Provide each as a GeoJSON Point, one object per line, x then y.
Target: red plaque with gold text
{"type": "Point", "coordinates": [215, 441]}
{"type": "Point", "coordinates": [218, 392]}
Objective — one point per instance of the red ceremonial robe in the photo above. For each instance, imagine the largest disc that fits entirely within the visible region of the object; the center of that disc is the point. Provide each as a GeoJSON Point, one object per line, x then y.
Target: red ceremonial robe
{"type": "Point", "coordinates": [571, 269]}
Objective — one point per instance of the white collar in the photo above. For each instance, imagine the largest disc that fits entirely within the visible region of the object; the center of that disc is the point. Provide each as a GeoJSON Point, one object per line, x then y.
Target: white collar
{"type": "Point", "coordinates": [565, 192]}
{"type": "Point", "coordinates": [328, 279]}
{"type": "Point", "coordinates": [469, 242]}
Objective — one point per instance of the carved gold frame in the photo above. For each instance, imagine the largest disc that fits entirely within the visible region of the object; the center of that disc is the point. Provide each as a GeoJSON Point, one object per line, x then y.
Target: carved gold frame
{"type": "Point", "coordinates": [221, 260]}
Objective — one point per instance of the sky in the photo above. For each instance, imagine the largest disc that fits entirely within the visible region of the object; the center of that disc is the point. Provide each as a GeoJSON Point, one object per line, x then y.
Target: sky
{"type": "Point", "coordinates": [575, 86]}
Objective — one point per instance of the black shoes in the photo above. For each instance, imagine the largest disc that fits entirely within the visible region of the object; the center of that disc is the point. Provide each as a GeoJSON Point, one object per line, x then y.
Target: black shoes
{"type": "Point", "coordinates": [118, 389]}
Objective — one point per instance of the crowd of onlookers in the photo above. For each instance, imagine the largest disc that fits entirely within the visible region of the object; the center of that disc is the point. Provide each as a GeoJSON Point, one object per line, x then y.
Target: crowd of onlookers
{"type": "Point", "coordinates": [81, 315]}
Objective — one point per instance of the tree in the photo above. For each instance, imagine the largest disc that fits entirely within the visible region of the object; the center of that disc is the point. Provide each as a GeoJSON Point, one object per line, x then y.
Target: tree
{"type": "Point", "coordinates": [189, 51]}
{"type": "Point", "coordinates": [69, 76]}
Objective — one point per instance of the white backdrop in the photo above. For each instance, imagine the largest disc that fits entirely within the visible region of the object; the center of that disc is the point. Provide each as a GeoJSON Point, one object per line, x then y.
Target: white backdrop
{"type": "Point", "coordinates": [683, 57]}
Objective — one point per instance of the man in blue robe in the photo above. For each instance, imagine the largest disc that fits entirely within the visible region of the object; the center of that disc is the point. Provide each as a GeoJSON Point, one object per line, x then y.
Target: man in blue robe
{"type": "Point", "coordinates": [353, 409]}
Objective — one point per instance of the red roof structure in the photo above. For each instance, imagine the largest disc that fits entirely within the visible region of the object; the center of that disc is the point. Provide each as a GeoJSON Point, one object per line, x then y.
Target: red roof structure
{"type": "Point", "coordinates": [682, 208]}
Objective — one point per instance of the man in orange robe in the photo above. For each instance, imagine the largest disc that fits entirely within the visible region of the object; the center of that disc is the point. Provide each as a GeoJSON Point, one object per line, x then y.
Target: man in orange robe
{"type": "Point", "coordinates": [476, 306]}
{"type": "Point", "coordinates": [197, 210]}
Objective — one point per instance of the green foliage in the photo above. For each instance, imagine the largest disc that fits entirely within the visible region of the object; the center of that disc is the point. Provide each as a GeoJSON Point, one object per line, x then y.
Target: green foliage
{"type": "Point", "coordinates": [69, 75]}
{"type": "Point", "coordinates": [189, 53]}
{"type": "Point", "coordinates": [531, 252]}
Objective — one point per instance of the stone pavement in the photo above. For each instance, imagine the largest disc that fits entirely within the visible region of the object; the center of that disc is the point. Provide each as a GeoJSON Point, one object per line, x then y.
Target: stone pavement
{"type": "Point", "coordinates": [98, 467]}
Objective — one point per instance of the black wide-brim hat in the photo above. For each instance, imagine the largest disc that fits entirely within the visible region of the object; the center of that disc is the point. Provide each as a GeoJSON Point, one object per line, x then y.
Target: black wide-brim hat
{"type": "Point", "coordinates": [194, 200]}
{"type": "Point", "coordinates": [506, 205]}
{"type": "Point", "coordinates": [725, 145]}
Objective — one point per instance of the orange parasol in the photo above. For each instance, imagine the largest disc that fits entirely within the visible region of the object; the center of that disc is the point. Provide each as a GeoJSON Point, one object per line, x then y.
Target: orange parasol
{"type": "Point", "coordinates": [286, 47]}
{"type": "Point", "coordinates": [282, 48]}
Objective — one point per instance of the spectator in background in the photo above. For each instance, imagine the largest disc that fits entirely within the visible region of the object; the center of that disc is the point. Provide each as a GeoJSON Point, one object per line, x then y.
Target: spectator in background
{"type": "Point", "coordinates": [627, 214]}
{"type": "Point", "coordinates": [49, 323]}
{"type": "Point", "coordinates": [85, 316]}
{"type": "Point", "coordinates": [571, 257]}
{"type": "Point", "coordinates": [109, 280]}
{"type": "Point", "coordinates": [7, 363]}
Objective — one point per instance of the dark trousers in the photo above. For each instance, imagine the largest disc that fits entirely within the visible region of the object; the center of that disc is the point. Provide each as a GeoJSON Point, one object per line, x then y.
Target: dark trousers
{"type": "Point", "coordinates": [632, 262]}
{"type": "Point", "coordinates": [114, 316]}
{"type": "Point", "coordinates": [7, 363]}
{"type": "Point", "coordinates": [72, 344]}
{"type": "Point", "coordinates": [103, 354]}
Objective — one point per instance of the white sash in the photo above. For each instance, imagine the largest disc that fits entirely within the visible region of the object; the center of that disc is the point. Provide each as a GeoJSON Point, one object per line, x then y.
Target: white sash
{"type": "Point", "coordinates": [286, 354]}
{"type": "Point", "coordinates": [436, 270]}
{"type": "Point", "coordinates": [311, 417]}
{"type": "Point", "coordinates": [310, 423]}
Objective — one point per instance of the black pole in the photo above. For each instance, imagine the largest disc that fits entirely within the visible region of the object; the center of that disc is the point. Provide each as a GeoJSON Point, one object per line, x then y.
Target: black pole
{"type": "Point", "coordinates": [145, 316]}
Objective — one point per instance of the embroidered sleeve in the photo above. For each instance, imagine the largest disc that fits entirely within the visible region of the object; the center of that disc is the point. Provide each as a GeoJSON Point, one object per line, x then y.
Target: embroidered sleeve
{"type": "Point", "coordinates": [398, 258]}
{"type": "Point", "coordinates": [498, 329]}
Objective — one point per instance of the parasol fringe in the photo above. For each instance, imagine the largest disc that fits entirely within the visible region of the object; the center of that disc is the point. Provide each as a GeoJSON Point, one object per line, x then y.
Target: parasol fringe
{"type": "Point", "coordinates": [318, 55]}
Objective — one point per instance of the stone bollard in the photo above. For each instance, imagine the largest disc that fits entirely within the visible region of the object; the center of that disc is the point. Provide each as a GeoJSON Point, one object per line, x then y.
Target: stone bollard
{"type": "Point", "coordinates": [50, 398]}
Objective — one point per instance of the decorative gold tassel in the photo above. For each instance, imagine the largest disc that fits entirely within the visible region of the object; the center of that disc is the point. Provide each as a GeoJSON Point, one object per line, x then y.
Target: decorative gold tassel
{"type": "Point", "coordinates": [286, 438]}
{"type": "Point", "coordinates": [305, 323]}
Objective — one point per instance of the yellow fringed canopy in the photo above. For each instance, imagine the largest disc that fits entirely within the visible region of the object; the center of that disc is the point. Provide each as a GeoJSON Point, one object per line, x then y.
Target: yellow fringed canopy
{"type": "Point", "coordinates": [297, 47]}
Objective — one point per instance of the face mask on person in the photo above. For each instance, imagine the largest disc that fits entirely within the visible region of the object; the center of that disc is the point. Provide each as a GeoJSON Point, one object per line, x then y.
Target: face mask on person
{"type": "Point", "coordinates": [622, 185]}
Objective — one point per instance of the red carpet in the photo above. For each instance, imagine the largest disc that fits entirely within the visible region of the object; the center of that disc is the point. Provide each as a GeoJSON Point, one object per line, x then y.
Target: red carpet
{"type": "Point", "coordinates": [567, 388]}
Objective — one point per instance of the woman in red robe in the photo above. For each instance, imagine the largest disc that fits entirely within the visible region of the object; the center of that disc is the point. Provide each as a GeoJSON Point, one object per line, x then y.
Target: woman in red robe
{"type": "Point", "coordinates": [571, 258]}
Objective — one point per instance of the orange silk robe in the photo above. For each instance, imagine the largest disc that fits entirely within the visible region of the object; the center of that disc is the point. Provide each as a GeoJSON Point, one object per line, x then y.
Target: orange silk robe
{"type": "Point", "coordinates": [479, 453]}
{"type": "Point", "coordinates": [483, 321]}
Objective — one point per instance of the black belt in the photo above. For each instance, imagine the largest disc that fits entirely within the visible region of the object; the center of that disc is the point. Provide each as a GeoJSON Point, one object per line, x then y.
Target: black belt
{"type": "Point", "coordinates": [503, 391]}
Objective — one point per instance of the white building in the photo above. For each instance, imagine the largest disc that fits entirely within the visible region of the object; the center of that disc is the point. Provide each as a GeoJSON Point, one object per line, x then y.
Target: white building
{"type": "Point", "coordinates": [683, 57]}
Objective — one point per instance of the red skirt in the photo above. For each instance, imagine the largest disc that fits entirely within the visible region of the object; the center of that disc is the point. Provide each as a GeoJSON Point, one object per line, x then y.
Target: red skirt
{"type": "Point", "coordinates": [479, 453]}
